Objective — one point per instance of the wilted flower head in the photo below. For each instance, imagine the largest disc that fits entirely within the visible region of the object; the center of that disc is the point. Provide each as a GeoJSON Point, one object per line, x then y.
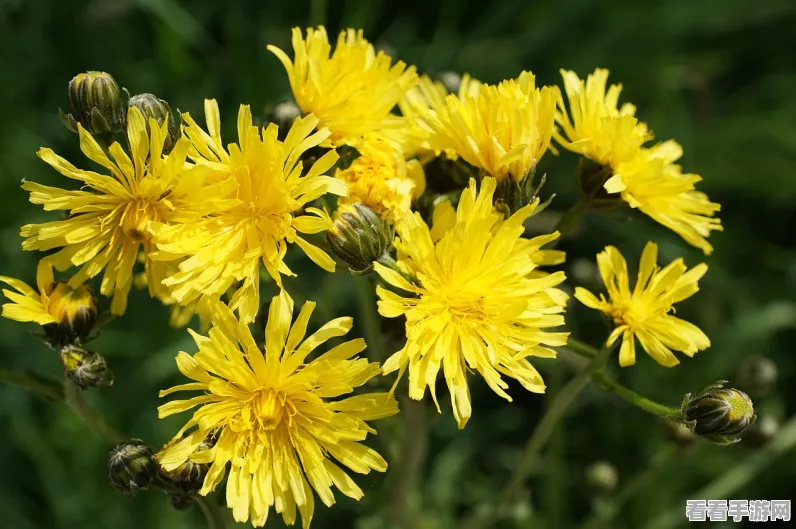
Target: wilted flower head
{"type": "Point", "coordinates": [479, 303]}
{"type": "Point", "coordinates": [273, 413]}
{"type": "Point", "coordinates": [351, 90]}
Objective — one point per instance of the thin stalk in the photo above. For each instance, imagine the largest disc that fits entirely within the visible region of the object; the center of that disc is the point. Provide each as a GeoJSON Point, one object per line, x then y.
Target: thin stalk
{"type": "Point", "coordinates": [368, 317]}
{"type": "Point", "coordinates": [643, 403]}
{"type": "Point", "coordinates": [538, 439]}
{"type": "Point", "coordinates": [609, 384]}
{"type": "Point", "coordinates": [413, 458]}
{"type": "Point", "coordinates": [211, 512]}
{"type": "Point", "coordinates": [73, 396]}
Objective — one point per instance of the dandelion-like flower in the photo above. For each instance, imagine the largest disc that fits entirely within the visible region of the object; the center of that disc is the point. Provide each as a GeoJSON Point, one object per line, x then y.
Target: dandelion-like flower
{"type": "Point", "coordinates": [643, 313]}
{"type": "Point", "coordinates": [262, 216]}
{"type": "Point", "coordinates": [503, 130]}
{"type": "Point", "coordinates": [477, 303]}
{"type": "Point", "coordinates": [596, 127]}
{"type": "Point", "coordinates": [383, 180]}
{"type": "Point", "coordinates": [656, 185]}
{"type": "Point", "coordinates": [352, 90]}
{"type": "Point", "coordinates": [646, 178]}
{"type": "Point", "coordinates": [273, 413]}
{"type": "Point", "coordinates": [110, 221]}
{"type": "Point", "coordinates": [427, 97]}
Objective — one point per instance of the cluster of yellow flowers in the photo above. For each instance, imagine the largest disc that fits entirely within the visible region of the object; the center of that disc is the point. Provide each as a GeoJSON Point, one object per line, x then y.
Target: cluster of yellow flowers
{"type": "Point", "coordinates": [203, 216]}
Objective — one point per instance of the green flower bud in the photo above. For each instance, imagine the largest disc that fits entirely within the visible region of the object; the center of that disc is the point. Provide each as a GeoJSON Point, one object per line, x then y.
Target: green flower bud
{"type": "Point", "coordinates": [76, 310]}
{"type": "Point", "coordinates": [359, 237]}
{"type": "Point", "coordinates": [85, 368]}
{"type": "Point", "coordinates": [602, 476]}
{"type": "Point", "coordinates": [132, 466]}
{"type": "Point", "coordinates": [95, 101]}
{"type": "Point", "coordinates": [757, 375]}
{"type": "Point", "coordinates": [152, 106]}
{"type": "Point", "coordinates": [718, 413]}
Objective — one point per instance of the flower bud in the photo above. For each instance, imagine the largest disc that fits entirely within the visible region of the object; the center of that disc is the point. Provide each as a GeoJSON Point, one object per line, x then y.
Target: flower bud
{"type": "Point", "coordinates": [602, 476]}
{"type": "Point", "coordinates": [152, 106]}
{"type": "Point", "coordinates": [76, 310]}
{"type": "Point", "coordinates": [184, 482]}
{"type": "Point", "coordinates": [718, 413]}
{"type": "Point", "coordinates": [359, 237]}
{"type": "Point", "coordinates": [132, 466]}
{"type": "Point", "coordinates": [85, 368]}
{"type": "Point", "coordinates": [757, 375]}
{"type": "Point", "coordinates": [95, 102]}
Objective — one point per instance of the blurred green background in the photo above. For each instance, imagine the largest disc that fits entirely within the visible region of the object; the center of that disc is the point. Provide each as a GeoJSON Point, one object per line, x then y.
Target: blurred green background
{"type": "Point", "coordinates": [717, 76]}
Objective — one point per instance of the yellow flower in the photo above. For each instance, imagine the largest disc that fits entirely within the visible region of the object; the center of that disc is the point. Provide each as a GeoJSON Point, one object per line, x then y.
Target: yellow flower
{"type": "Point", "coordinates": [383, 180]}
{"type": "Point", "coordinates": [110, 222]}
{"type": "Point", "coordinates": [421, 101]}
{"type": "Point", "coordinates": [596, 127]}
{"type": "Point", "coordinates": [474, 305]}
{"type": "Point", "coordinates": [274, 415]}
{"type": "Point", "coordinates": [646, 178]}
{"type": "Point", "coordinates": [654, 184]}
{"type": "Point", "coordinates": [503, 130]}
{"type": "Point", "coordinates": [228, 246]}
{"type": "Point", "coordinates": [66, 313]}
{"type": "Point", "coordinates": [644, 312]}
{"type": "Point", "coordinates": [352, 90]}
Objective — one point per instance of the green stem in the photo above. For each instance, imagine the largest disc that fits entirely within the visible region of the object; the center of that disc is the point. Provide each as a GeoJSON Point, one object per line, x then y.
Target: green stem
{"type": "Point", "coordinates": [36, 384]}
{"type": "Point", "coordinates": [541, 434]}
{"type": "Point", "coordinates": [413, 457]}
{"type": "Point", "coordinates": [317, 12]}
{"type": "Point", "coordinates": [211, 512]}
{"type": "Point", "coordinates": [73, 397]}
{"type": "Point", "coordinates": [659, 410]}
{"type": "Point", "coordinates": [736, 477]}
{"type": "Point", "coordinates": [569, 220]}
{"type": "Point", "coordinates": [609, 384]}
{"type": "Point", "coordinates": [368, 317]}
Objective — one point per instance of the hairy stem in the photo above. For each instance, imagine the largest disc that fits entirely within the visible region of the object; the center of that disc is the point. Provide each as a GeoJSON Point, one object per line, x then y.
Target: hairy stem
{"type": "Point", "coordinates": [35, 383]}
{"type": "Point", "coordinates": [413, 457]}
{"type": "Point", "coordinates": [73, 396]}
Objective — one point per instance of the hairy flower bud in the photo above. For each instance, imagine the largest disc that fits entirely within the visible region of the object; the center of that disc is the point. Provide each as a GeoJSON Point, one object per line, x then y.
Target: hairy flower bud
{"type": "Point", "coordinates": [132, 466]}
{"type": "Point", "coordinates": [76, 310]}
{"type": "Point", "coordinates": [95, 101]}
{"type": "Point", "coordinates": [152, 106]}
{"type": "Point", "coordinates": [718, 413]}
{"type": "Point", "coordinates": [85, 368]}
{"type": "Point", "coordinates": [359, 237]}
{"type": "Point", "coordinates": [185, 481]}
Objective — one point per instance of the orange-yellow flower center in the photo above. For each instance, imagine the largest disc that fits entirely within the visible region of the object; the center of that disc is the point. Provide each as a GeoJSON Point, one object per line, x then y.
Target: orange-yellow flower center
{"type": "Point", "coordinates": [136, 217]}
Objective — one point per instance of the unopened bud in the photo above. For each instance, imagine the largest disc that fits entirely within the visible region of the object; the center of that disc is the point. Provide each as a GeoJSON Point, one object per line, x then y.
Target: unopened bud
{"type": "Point", "coordinates": [757, 375]}
{"type": "Point", "coordinates": [184, 482]}
{"type": "Point", "coordinates": [85, 368]}
{"type": "Point", "coordinates": [95, 101]}
{"type": "Point", "coordinates": [76, 311]}
{"type": "Point", "coordinates": [132, 466]}
{"type": "Point", "coordinates": [602, 476]}
{"type": "Point", "coordinates": [718, 413]}
{"type": "Point", "coordinates": [359, 237]}
{"type": "Point", "coordinates": [152, 106]}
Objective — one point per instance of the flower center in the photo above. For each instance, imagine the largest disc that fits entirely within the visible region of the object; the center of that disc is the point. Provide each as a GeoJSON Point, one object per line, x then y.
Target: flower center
{"type": "Point", "coordinates": [136, 218]}
{"type": "Point", "coordinates": [269, 408]}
